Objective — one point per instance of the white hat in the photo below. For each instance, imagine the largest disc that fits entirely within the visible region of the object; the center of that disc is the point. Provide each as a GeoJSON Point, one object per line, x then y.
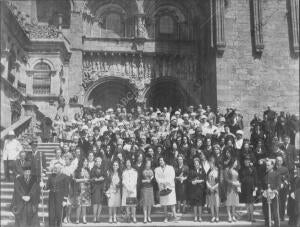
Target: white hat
{"type": "Point", "coordinates": [222, 119]}
{"type": "Point", "coordinates": [240, 132]}
{"type": "Point", "coordinates": [203, 117]}
{"type": "Point", "coordinates": [177, 113]}
{"type": "Point", "coordinates": [173, 118]}
{"type": "Point", "coordinates": [11, 133]}
{"type": "Point", "coordinates": [185, 115]}
{"type": "Point", "coordinates": [193, 114]}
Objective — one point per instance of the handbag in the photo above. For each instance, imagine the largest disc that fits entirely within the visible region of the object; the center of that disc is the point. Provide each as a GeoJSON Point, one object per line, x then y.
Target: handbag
{"type": "Point", "coordinates": [131, 201]}
{"type": "Point", "coordinates": [165, 192]}
{"type": "Point", "coordinates": [108, 194]}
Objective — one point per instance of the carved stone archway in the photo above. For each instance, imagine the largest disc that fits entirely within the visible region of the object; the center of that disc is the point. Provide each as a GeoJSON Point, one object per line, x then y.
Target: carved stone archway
{"type": "Point", "coordinates": [167, 92]}
{"type": "Point", "coordinates": [111, 92]}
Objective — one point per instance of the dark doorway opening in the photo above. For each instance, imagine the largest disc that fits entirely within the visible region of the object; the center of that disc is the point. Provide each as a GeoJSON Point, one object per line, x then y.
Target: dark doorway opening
{"type": "Point", "coordinates": [167, 93]}
{"type": "Point", "coordinates": [113, 93]}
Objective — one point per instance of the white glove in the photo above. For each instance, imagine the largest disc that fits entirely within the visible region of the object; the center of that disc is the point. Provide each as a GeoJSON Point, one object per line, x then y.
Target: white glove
{"type": "Point", "coordinates": [64, 203]}
{"type": "Point", "coordinates": [254, 193]}
{"type": "Point", "coordinates": [26, 198]}
{"type": "Point", "coordinates": [293, 195]}
{"type": "Point", "coordinates": [42, 184]}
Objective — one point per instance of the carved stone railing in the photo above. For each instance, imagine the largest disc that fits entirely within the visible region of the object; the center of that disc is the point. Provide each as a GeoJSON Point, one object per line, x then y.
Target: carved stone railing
{"type": "Point", "coordinates": [21, 129]}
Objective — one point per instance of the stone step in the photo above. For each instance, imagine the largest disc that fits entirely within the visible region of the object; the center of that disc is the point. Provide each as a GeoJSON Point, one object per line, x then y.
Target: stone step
{"type": "Point", "coordinates": [155, 216]}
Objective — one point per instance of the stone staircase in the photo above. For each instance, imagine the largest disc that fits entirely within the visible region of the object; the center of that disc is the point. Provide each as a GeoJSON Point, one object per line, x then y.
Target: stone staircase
{"type": "Point", "coordinates": [7, 188]}
{"type": "Point", "coordinates": [7, 218]}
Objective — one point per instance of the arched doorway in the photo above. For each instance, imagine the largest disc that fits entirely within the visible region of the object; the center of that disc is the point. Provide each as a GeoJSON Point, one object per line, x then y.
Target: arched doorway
{"type": "Point", "coordinates": [110, 93]}
{"type": "Point", "coordinates": [167, 92]}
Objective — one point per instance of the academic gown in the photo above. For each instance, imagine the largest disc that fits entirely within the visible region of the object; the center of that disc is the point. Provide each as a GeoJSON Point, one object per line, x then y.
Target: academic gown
{"type": "Point", "coordinates": [26, 213]}
{"type": "Point", "coordinates": [58, 184]}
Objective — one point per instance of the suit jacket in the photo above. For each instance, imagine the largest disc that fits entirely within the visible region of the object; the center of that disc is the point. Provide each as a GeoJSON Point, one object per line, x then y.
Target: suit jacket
{"type": "Point", "coordinates": [291, 156]}
{"type": "Point", "coordinates": [35, 161]}
{"type": "Point", "coordinates": [19, 166]}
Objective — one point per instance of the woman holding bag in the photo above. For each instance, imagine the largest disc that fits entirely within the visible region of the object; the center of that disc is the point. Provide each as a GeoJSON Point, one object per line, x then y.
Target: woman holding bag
{"type": "Point", "coordinates": [129, 193]}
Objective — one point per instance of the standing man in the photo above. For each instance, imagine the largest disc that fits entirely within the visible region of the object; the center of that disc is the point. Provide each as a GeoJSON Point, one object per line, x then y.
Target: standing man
{"type": "Point", "coordinates": [37, 160]}
{"type": "Point", "coordinates": [11, 150]}
{"type": "Point", "coordinates": [290, 153]}
{"type": "Point", "coordinates": [271, 179]}
{"type": "Point", "coordinates": [284, 179]}
{"type": "Point", "coordinates": [58, 185]}
{"type": "Point", "coordinates": [26, 200]}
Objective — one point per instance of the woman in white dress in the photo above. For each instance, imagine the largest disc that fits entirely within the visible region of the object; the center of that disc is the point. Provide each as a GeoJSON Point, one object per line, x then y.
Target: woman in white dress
{"type": "Point", "coordinates": [165, 177]}
{"type": "Point", "coordinates": [114, 191]}
{"type": "Point", "coordinates": [129, 194]}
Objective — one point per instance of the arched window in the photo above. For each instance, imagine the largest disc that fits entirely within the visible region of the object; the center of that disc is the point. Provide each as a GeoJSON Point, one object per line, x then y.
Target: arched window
{"type": "Point", "coordinates": [166, 25]}
{"type": "Point", "coordinates": [113, 24]}
{"type": "Point", "coordinates": [41, 79]}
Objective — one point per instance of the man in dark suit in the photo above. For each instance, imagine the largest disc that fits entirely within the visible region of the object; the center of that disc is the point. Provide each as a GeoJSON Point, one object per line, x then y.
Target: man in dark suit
{"type": "Point", "coordinates": [26, 200]}
{"type": "Point", "coordinates": [58, 184]}
{"type": "Point", "coordinates": [20, 163]}
{"type": "Point", "coordinates": [290, 153]}
{"type": "Point", "coordinates": [283, 173]}
{"type": "Point", "coordinates": [37, 160]}
{"type": "Point", "coordinates": [270, 183]}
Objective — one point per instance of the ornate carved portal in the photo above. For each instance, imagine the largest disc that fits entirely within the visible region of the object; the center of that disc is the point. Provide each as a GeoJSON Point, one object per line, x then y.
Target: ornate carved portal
{"type": "Point", "coordinates": [138, 68]}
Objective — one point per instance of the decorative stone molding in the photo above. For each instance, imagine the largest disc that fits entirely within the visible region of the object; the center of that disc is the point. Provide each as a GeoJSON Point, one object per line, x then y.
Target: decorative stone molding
{"type": "Point", "coordinates": [136, 66]}
{"type": "Point", "coordinates": [256, 25]}
{"type": "Point", "coordinates": [219, 23]}
{"type": "Point", "coordinates": [294, 23]}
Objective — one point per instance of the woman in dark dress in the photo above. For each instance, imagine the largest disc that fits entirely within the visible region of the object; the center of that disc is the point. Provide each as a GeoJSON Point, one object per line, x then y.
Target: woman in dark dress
{"type": "Point", "coordinates": [98, 177]}
{"type": "Point", "coordinates": [248, 179]}
{"type": "Point", "coordinates": [181, 174]}
{"type": "Point", "coordinates": [197, 179]}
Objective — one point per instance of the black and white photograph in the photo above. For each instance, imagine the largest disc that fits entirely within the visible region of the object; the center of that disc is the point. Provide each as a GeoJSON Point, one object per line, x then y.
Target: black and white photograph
{"type": "Point", "coordinates": [150, 113]}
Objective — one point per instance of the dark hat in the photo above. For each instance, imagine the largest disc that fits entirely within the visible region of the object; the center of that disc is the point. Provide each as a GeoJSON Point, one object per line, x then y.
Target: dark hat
{"type": "Point", "coordinates": [247, 157]}
{"type": "Point", "coordinates": [33, 141]}
{"type": "Point", "coordinates": [96, 128]}
{"type": "Point", "coordinates": [26, 167]}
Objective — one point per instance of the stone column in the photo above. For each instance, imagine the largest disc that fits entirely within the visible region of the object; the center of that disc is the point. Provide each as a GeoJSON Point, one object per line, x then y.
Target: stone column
{"type": "Point", "coordinates": [219, 23]}
{"type": "Point", "coordinates": [294, 18]}
{"type": "Point", "coordinates": [256, 25]}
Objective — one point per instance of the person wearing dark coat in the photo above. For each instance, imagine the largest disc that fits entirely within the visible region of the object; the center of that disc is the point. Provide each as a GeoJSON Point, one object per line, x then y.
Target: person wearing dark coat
{"type": "Point", "coordinates": [21, 163]}
{"type": "Point", "coordinates": [58, 186]}
{"type": "Point", "coordinates": [181, 174]}
{"type": "Point", "coordinates": [249, 185]}
{"type": "Point", "coordinates": [293, 209]}
{"type": "Point", "coordinates": [37, 160]}
{"type": "Point", "coordinates": [284, 184]}
{"type": "Point", "coordinates": [197, 187]}
{"type": "Point", "coordinates": [98, 178]}
{"type": "Point", "coordinates": [290, 153]}
{"type": "Point", "coordinates": [25, 201]}
{"type": "Point", "coordinates": [271, 181]}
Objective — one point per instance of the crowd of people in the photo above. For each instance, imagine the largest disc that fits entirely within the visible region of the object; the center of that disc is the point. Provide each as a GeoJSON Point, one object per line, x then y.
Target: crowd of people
{"type": "Point", "coordinates": [192, 158]}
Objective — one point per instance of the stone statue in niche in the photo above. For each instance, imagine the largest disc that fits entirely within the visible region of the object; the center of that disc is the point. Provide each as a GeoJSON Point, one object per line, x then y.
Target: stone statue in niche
{"type": "Point", "coordinates": [134, 70]}
{"type": "Point", "coordinates": [127, 68]}
{"type": "Point", "coordinates": [141, 69]}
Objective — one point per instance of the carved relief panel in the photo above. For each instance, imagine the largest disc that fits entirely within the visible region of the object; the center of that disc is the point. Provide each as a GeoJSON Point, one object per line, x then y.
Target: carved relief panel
{"type": "Point", "coordinates": [137, 67]}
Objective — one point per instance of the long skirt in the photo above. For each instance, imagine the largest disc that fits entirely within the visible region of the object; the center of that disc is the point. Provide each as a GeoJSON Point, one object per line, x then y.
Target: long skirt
{"type": "Point", "coordinates": [147, 196]}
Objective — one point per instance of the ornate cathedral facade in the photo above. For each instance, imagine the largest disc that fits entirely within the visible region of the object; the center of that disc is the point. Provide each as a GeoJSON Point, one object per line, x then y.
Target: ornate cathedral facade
{"type": "Point", "coordinates": [223, 53]}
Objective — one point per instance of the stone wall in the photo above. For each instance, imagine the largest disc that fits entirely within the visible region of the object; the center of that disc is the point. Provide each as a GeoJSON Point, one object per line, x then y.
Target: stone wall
{"type": "Point", "coordinates": [251, 84]}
